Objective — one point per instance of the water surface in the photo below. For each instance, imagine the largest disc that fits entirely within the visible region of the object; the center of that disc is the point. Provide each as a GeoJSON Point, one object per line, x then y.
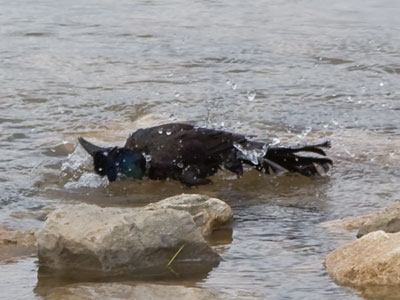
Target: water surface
{"type": "Point", "coordinates": [298, 71]}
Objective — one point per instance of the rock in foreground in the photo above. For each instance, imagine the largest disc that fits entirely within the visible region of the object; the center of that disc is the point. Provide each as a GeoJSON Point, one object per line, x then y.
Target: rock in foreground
{"type": "Point", "coordinates": [371, 260]}
{"type": "Point", "coordinates": [89, 237]}
{"type": "Point", "coordinates": [99, 291]}
{"type": "Point", "coordinates": [208, 213]}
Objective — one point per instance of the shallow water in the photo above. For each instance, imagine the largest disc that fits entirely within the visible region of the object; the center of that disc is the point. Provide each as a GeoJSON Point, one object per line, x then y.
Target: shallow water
{"type": "Point", "coordinates": [300, 71]}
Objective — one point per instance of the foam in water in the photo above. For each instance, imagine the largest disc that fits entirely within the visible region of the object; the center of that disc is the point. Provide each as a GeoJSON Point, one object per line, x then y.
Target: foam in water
{"type": "Point", "coordinates": [88, 180]}
{"type": "Point", "coordinates": [78, 165]}
{"type": "Point", "coordinates": [75, 161]}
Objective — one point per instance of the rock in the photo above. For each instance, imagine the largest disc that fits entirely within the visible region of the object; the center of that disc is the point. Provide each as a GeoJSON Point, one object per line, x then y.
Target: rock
{"type": "Point", "coordinates": [208, 213]}
{"type": "Point", "coordinates": [381, 292]}
{"type": "Point", "coordinates": [347, 223]}
{"type": "Point", "coordinates": [370, 260]}
{"type": "Point", "coordinates": [36, 214]}
{"type": "Point", "coordinates": [387, 220]}
{"type": "Point", "coordinates": [15, 243]}
{"type": "Point", "coordinates": [130, 239]}
{"type": "Point", "coordinates": [118, 291]}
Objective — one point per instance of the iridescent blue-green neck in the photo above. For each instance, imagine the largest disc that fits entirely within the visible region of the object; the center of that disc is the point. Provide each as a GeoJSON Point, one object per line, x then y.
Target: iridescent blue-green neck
{"type": "Point", "coordinates": [118, 162]}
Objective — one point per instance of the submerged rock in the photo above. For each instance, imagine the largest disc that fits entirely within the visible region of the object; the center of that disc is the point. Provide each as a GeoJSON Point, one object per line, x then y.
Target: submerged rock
{"type": "Point", "coordinates": [370, 260]}
{"type": "Point", "coordinates": [347, 223]}
{"type": "Point", "coordinates": [89, 237]}
{"type": "Point", "coordinates": [387, 220]}
{"type": "Point", "coordinates": [15, 243]}
{"type": "Point", "coordinates": [99, 291]}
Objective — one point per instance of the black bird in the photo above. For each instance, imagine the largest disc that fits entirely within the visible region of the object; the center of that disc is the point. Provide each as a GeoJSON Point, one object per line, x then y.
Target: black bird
{"type": "Point", "coordinates": [190, 154]}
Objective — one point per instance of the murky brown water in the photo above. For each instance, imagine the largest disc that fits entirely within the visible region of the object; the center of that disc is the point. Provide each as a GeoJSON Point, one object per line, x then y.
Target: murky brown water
{"type": "Point", "coordinates": [300, 71]}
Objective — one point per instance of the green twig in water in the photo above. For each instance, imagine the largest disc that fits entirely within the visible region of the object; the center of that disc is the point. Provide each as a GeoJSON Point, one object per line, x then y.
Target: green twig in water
{"type": "Point", "coordinates": [175, 255]}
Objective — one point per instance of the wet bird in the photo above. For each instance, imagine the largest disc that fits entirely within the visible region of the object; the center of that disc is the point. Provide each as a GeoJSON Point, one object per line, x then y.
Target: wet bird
{"type": "Point", "coordinates": [190, 154]}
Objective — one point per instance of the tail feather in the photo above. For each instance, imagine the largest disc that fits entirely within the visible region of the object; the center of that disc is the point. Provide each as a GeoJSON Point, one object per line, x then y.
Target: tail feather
{"type": "Point", "coordinates": [288, 159]}
{"type": "Point", "coordinates": [310, 148]}
{"type": "Point", "coordinates": [89, 147]}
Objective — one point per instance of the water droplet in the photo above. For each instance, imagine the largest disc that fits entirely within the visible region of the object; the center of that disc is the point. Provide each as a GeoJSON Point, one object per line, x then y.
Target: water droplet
{"type": "Point", "coordinates": [160, 131]}
{"type": "Point", "coordinates": [275, 141]}
{"type": "Point", "coordinates": [228, 82]}
{"type": "Point", "coordinates": [251, 95]}
{"type": "Point", "coordinates": [180, 165]}
{"type": "Point", "coordinates": [234, 86]}
{"type": "Point", "coordinates": [168, 132]}
{"type": "Point", "coordinates": [147, 157]}
{"type": "Point", "coordinates": [105, 153]}
{"type": "Point", "coordinates": [381, 84]}
{"type": "Point", "coordinates": [100, 169]}
{"type": "Point", "coordinates": [305, 132]}
{"type": "Point", "coordinates": [252, 155]}
{"type": "Point", "coordinates": [222, 124]}
{"type": "Point", "coordinates": [117, 164]}
{"type": "Point", "coordinates": [177, 94]}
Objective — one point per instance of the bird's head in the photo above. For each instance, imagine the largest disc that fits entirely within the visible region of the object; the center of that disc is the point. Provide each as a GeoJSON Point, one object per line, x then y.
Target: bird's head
{"type": "Point", "coordinates": [115, 162]}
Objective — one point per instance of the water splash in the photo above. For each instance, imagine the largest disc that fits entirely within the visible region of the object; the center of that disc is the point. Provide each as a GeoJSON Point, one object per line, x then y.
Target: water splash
{"type": "Point", "coordinates": [275, 141]}
{"type": "Point", "coordinates": [252, 155]}
{"type": "Point", "coordinates": [251, 95]}
{"type": "Point", "coordinates": [305, 132]}
{"type": "Point", "coordinates": [88, 180]}
{"type": "Point", "coordinates": [231, 84]}
{"type": "Point", "coordinates": [147, 157]}
{"type": "Point", "coordinates": [75, 161]}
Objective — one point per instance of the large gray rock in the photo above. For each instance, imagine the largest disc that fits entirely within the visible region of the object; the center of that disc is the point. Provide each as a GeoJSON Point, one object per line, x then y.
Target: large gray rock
{"type": "Point", "coordinates": [208, 213]}
{"type": "Point", "coordinates": [118, 291]}
{"type": "Point", "coordinates": [372, 260]}
{"type": "Point", "coordinates": [89, 237]}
